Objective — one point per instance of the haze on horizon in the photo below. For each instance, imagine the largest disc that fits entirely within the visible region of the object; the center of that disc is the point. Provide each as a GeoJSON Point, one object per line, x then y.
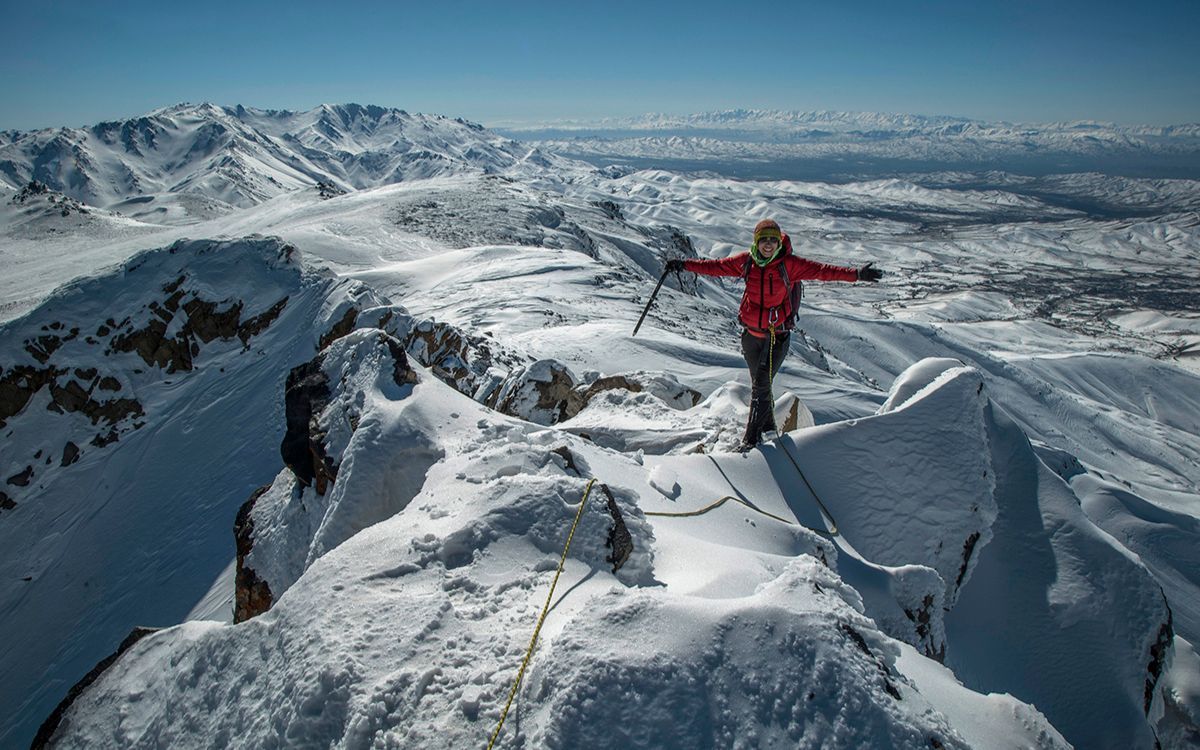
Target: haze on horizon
{"type": "Point", "coordinates": [73, 63]}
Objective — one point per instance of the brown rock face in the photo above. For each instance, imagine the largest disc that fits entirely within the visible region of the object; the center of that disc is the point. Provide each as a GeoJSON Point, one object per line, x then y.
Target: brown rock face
{"type": "Point", "coordinates": [204, 323]}
{"type": "Point", "coordinates": [305, 396]}
{"type": "Point", "coordinates": [461, 360]}
{"type": "Point", "coordinates": [339, 329]}
{"type": "Point", "coordinates": [252, 595]}
{"type": "Point", "coordinates": [17, 386]}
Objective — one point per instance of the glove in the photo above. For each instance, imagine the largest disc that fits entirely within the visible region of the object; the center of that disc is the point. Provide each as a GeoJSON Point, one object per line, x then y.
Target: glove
{"type": "Point", "coordinates": [866, 273]}
{"type": "Point", "coordinates": [674, 265]}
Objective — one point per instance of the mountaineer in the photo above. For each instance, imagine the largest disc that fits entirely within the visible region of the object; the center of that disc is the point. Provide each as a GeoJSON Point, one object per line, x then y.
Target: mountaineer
{"type": "Point", "coordinates": [768, 310]}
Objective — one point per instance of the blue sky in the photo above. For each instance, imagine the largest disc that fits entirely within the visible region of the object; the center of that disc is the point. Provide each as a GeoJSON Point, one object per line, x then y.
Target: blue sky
{"type": "Point", "coordinates": [76, 63]}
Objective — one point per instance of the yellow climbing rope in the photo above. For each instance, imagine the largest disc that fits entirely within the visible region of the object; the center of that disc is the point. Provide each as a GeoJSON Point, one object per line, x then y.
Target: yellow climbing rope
{"type": "Point", "coordinates": [549, 597]}
{"type": "Point", "coordinates": [716, 504]}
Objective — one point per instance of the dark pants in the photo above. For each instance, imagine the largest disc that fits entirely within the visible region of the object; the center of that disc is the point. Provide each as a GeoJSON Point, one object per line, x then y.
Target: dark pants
{"type": "Point", "coordinates": [764, 366]}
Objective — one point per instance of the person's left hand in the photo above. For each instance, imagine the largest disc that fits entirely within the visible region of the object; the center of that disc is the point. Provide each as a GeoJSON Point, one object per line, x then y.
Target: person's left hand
{"type": "Point", "coordinates": [867, 273]}
{"type": "Point", "coordinates": [675, 265]}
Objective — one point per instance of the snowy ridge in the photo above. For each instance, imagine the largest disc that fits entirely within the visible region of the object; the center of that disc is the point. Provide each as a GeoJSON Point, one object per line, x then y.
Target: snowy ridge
{"type": "Point", "coordinates": [447, 561]}
{"type": "Point", "coordinates": [206, 160]}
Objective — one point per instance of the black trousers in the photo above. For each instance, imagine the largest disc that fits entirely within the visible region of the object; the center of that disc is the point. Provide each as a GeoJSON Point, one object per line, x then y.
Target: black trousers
{"type": "Point", "coordinates": [764, 362]}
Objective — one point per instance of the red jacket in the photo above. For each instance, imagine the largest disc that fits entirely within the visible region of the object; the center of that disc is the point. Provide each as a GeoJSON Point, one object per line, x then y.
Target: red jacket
{"type": "Point", "coordinates": [766, 299]}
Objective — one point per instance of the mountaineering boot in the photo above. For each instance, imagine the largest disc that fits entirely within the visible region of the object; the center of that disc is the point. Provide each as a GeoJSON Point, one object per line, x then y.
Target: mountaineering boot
{"type": "Point", "coordinates": [746, 446]}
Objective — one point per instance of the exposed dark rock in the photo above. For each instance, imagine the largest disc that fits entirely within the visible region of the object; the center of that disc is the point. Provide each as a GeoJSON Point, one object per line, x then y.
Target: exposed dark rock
{"type": "Point", "coordinates": [339, 329]}
{"type": "Point", "coordinates": [31, 189]}
{"type": "Point", "coordinates": [578, 399]}
{"type": "Point", "coordinates": [1158, 656]}
{"type": "Point", "coordinates": [86, 375]}
{"type": "Point", "coordinates": [252, 595]}
{"type": "Point", "coordinates": [6, 502]}
{"type": "Point", "coordinates": [463, 361]}
{"type": "Point", "coordinates": [109, 383]}
{"type": "Point", "coordinates": [22, 478]}
{"type": "Point", "coordinates": [154, 348]}
{"type": "Point", "coordinates": [107, 439]}
{"type": "Point", "coordinates": [922, 618]}
{"type": "Point", "coordinates": [207, 323]}
{"type": "Point", "coordinates": [402, 374]}
{"type": "Point", "coordinates": [70, 454]}
{"type": "Point", "coordinates": [70, 397]}
{"type": "Point", "coordinates": [551, 395]}
{"type": "Point", "coordinates": [328, 190]}
{"type": "Point", "coordinates": [610, 209]}
{"type": "Point", "coordinates": [306, 395]}
{"type": "Point", "coordinates": [858, 640]}
{"type": "Point", "coordinates": [42, 347]}
{"type": "Point", "coordinates": [259, 323]}
{"type": "Point", "coordinates": [45, 733]}
{"type": "Point", "coordinates": [569, 457]}
{"type": "Point", "coordinates": [968, 549]}
{"type": "Point", "coordinates": [18, 385]}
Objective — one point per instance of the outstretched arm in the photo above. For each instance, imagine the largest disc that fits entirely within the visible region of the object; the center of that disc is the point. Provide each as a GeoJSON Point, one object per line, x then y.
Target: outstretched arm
{"type": "Point", "coordinates": [734, 265]}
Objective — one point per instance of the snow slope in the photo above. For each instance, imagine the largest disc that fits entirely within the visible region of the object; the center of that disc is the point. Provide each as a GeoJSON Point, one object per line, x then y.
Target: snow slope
{"type": "Point", "coordinates": [1004, 432]}
{"type": "Point", "coordinates": [409, 632]}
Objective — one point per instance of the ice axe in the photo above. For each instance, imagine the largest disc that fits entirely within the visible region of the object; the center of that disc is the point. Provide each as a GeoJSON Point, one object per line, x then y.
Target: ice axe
{"type": "Point", "coordinates": [651, 301]}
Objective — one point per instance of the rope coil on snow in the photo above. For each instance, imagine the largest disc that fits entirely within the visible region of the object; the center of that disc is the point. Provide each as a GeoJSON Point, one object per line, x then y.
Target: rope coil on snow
{"type": "Point", "coordinates": [542, 619]}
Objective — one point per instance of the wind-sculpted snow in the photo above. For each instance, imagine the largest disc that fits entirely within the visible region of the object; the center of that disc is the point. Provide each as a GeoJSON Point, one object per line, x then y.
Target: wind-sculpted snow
{"type": "Point", "coordinates": [792, 665]}
{"type": "Point", "coordinates": [1057, 611]}
{"type": "Point", "coordinates": [410, 632]}
{"type": "Point", "coordinates": [931, 500]}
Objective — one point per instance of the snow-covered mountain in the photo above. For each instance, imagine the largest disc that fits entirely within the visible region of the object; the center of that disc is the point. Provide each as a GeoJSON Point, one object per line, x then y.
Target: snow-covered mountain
{"type": "Point", "coordinates": [306, 479]}
{"type": "Point", "coordinates": [205, 160]}
{"type": "Point", "coordinates": [849, 145]}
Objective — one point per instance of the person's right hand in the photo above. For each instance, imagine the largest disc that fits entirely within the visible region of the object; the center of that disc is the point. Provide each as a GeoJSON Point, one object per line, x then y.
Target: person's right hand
{"type": "Point", "coordinates": [867, 273]}
{"type": "Point", "coordinates": [674, 265]}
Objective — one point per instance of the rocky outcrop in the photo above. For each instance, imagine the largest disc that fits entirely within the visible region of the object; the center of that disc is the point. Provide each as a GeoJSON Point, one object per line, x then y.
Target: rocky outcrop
{"type": "Point", "coordinates": [168, 332]}
{"type": "Point", "coordinates": [252, 595]}
{"type": "Point", "coordinates": [344, 326]}
{"type": "Point", "coordinates": [305, 396]}
{"type": "Point", "coordinates": [537, 393]}
{"type": "Point", "coordinates": [669, 390]}
{"type": "Point", "coordinates": [204, 322]}
{"type": "Point", "coordinates": [62, 204]}
{"type": "Point", "coordinates": [1159, 656]}
{"type": "Point", "coordinates": [328, 190]}
{"type": "Point", "coordinates": [322, 410]}
{"type": "Point", "coordinates": [474, 365]}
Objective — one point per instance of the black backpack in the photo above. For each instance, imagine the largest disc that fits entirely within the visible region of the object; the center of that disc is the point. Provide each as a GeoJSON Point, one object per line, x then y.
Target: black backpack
{"type": "Point", "coordinates": [794, 291]}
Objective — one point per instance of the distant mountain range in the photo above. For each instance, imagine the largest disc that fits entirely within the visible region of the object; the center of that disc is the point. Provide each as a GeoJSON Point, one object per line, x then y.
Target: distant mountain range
{"type": "Point", "coordinates": [242, 156]}
{"type": "Point", "coordinates": [821, 122]}
{"type": "Point", "coordinates": [848, 145]}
